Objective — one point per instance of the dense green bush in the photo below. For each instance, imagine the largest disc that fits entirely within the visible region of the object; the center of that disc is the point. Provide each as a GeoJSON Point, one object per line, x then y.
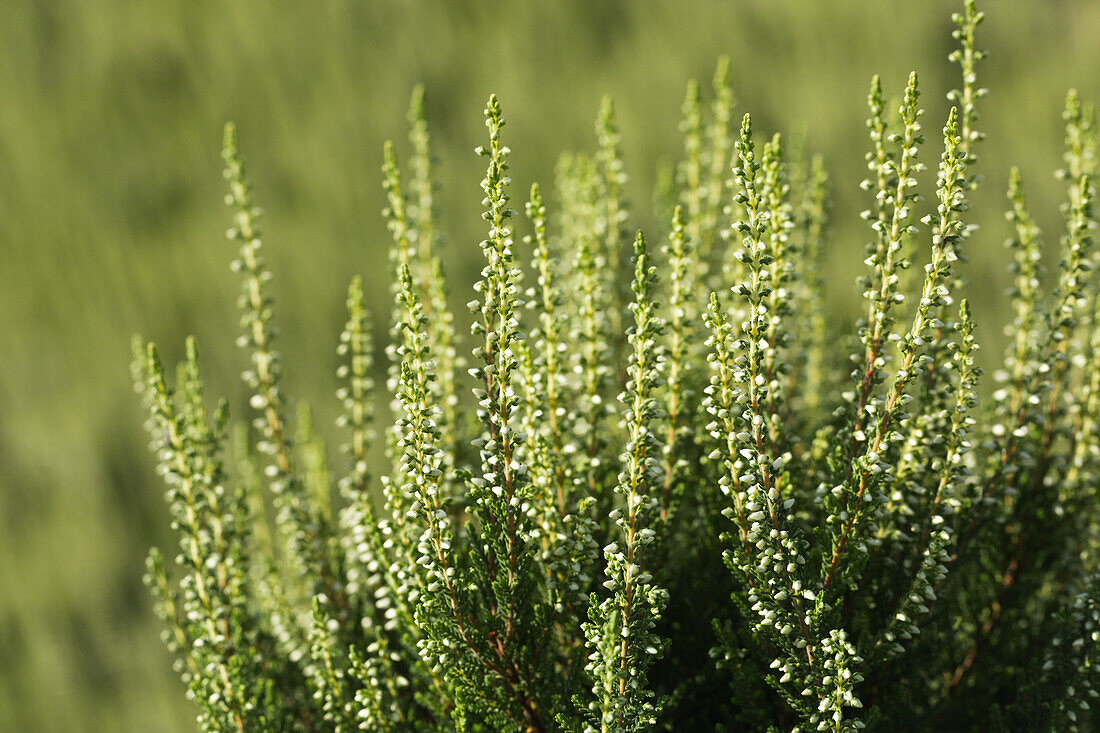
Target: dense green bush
{"type": "Point", "coordinates": [768, 532]}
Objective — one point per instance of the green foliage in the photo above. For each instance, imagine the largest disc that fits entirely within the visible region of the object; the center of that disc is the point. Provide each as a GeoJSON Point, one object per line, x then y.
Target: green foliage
{"type": "Point", "coordinates": [787, 542]}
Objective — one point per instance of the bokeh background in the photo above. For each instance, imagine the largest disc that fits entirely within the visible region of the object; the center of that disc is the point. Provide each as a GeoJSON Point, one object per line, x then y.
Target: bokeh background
{"type": "Point", "coordinates": [111, 222]}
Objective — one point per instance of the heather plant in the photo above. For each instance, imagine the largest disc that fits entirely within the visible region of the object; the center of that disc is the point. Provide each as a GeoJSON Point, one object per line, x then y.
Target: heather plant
{"type": "Point", "coordinates": [670, 503]}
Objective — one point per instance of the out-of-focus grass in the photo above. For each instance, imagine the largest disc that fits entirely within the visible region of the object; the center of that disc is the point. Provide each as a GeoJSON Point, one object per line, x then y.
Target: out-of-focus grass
{"type": "Point", "coordinates": [111, 222]}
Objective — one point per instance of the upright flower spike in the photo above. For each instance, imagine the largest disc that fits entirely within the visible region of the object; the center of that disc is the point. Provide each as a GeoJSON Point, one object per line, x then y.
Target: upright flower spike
{"type": "Point", "coordinates": [1080, 159]}
{"type": "Point", "coordinates": [563, 527]}
{"type": "Point", "coordinates": [363, 543]}
{"type": "Point", "coordinates": [939, 510]}
{"type": "Point", "coordinates": [620, 631]}
{"type": "Point", "coordinates": [894, 188]}
{"type": "Point", "coordinates": [401, 254]}
{"type": "Point", "coordinates": [923, 442]}
{"type": "Point", "coordinates": [396, 530]}
{"type": "Point", "coordinates": [358, 523]}
{"type": "Point", "coordinates": [1024, 331]}
{"type": "Point", "coordinates": [1064, 318]}
{"type": "Point", "coordinates": [507, 578]}
{"type": "Point", "coordinates": [535, 452]}
{"type": "Point", "coordinates": [611, 219]}
{"type": "Point", "coordinates": [859, 493]}
{"type": "Point", "coordinates": [1080, 163]}
{"type": "Point", "coordinates": [881, 163]}
{"type": "Point", "coordinates": [422, 189]}
{"type": "Point", "coordinates": [589, 366]}
{"type": "Point", "coordinates": [1066, 313]}
{"type": "Point", "coordinates": [567, 527]}
{"type": "Point", "coordinates": [1080, 153]}
{"type": "Point", "coordinates": [811, 343]}
{"type": "Point", "coordinates": [421, 461]}
{"type": "Point", "coordinates": [429, 273]}
{"type": "Point", "coordinates": [593, 361]}
{"type": "Point", "coordinates": [955, 473]}
{"type": "Point", "coordinates": [423, 583]}
{"type": "Point", "coordinates": [1076, 263]}
{"type": "Point", "coordinates": [210, 620]}
{"type": "Point", "coordinates": [357, 393]}
{"type": "Point", "coordinates": [773, 597]}
{"type": "Point", "coordinates": [758, 338]}
{"type": "Point", "coordinates": [546, 299]}
{"type": "Point", "coordinates": [679, 393]}
{"type": "Point", "coordinates": [896, 194]}
{"type": "Point", "coordinates": [936, 380]}
{"type": "Point", "coordinates": [306, 530]}
{"type": "Point", "coordinates": [396, 211]}
{"type": "Point", "coordinates": [1029, 355]}
{"type": "Point", "coordinates": [693, 193]}
{"type": "Point", "coordinates": [841, 664]}
{"type": "Point", "coordinates": [721, 402]}
{"type": "Point", "coordinates": [778, 597]}
{"type": "Point", "coordinates": [757, 259]}
{"type": "Point", "coordinates": [967, 57]}
{"type": "Point", "coordinates": [717, 159]}
{"type": "Point", "coordinates": [781, 275]}
{"type": "Point", "coordinates": [385, 553]}
{"type": "Point", "coordinates": [612, 182]}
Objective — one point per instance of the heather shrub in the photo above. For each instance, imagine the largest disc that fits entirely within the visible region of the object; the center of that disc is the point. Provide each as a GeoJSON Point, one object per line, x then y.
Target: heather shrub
{"type": "Point", "coordinates": [679, 498]}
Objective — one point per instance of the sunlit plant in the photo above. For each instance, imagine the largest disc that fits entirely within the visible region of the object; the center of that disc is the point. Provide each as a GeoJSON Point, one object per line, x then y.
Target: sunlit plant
{"type": "Point", "coordinates": [668, 504]}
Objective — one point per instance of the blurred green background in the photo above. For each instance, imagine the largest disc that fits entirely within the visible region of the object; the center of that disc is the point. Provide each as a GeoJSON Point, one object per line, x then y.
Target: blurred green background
{"type": "Point", "coordinates": [111, 222]}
